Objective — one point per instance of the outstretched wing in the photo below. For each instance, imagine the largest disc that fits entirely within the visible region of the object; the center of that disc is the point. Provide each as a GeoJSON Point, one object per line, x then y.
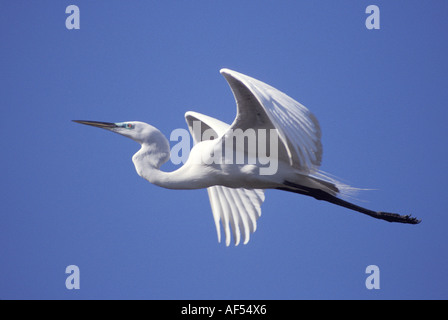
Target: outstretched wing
{"type": "Point", "coordinates": [260, 106]}
{"type": "Point", "coordinates": [236, 209]}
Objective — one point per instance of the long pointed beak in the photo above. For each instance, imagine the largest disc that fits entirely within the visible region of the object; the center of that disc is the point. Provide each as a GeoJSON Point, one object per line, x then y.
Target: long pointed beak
{"type": "Point", "coordinates": [98, 124]}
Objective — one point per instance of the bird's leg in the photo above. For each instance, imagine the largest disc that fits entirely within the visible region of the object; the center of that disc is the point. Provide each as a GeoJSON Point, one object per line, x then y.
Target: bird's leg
{"type": "Point", "coordinates": [322, 195]}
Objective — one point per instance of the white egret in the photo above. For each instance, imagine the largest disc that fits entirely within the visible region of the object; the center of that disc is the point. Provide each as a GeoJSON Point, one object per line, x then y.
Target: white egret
{"type": "Point", "coordinates": [236, 190]}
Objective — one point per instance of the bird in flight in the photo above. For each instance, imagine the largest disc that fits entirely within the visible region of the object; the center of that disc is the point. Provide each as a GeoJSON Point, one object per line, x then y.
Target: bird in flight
{"type": "Point", "coordinates": [273, 143]}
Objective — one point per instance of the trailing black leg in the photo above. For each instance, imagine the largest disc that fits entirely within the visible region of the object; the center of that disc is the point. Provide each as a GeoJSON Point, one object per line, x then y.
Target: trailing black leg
{"type": "Point", "coordinates": [322, 195]}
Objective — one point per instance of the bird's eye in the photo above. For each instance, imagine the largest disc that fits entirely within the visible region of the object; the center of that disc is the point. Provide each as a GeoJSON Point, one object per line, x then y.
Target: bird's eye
{"type": "Point", "coordinates": [128, 125]}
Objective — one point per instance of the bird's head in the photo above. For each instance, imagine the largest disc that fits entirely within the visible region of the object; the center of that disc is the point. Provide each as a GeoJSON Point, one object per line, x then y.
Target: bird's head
{"type": "Point", "coordinates": [155, 149]}
{"type": "Point", "coordinates": [138, 131]}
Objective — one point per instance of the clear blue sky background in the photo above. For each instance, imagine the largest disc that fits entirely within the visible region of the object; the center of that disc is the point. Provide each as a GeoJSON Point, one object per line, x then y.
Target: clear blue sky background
{"type": "Point", "coordinates": [70, 193]}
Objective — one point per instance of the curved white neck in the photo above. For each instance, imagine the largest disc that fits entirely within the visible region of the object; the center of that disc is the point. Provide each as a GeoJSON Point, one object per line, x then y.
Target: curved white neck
{"type": "Point", "coordinates": [147, 162]}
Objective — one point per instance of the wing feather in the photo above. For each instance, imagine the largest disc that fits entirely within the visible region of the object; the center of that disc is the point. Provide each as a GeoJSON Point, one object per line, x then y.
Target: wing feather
{"type": "Point", "coordinates": [237, 210]}
{"type": "Point", "coordinates": [261, 106]}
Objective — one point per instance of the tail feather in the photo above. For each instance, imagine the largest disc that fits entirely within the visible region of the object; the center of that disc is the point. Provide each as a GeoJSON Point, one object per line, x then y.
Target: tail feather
{"type": "Point", "coordinates": [339, 188]}
{"type": "Point", "coordinates": [330, 187]}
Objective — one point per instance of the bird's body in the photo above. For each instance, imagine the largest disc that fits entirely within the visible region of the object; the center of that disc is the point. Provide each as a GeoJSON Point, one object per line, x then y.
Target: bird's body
{"type": "Point", "coordinates": [273, 143]}
{"type": "Point", "coordinates": [200, 172]}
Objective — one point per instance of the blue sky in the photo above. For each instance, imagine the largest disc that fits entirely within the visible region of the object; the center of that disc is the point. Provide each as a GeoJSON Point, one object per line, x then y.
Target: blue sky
{"type": "Point", "coordinates": [71, 196]}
